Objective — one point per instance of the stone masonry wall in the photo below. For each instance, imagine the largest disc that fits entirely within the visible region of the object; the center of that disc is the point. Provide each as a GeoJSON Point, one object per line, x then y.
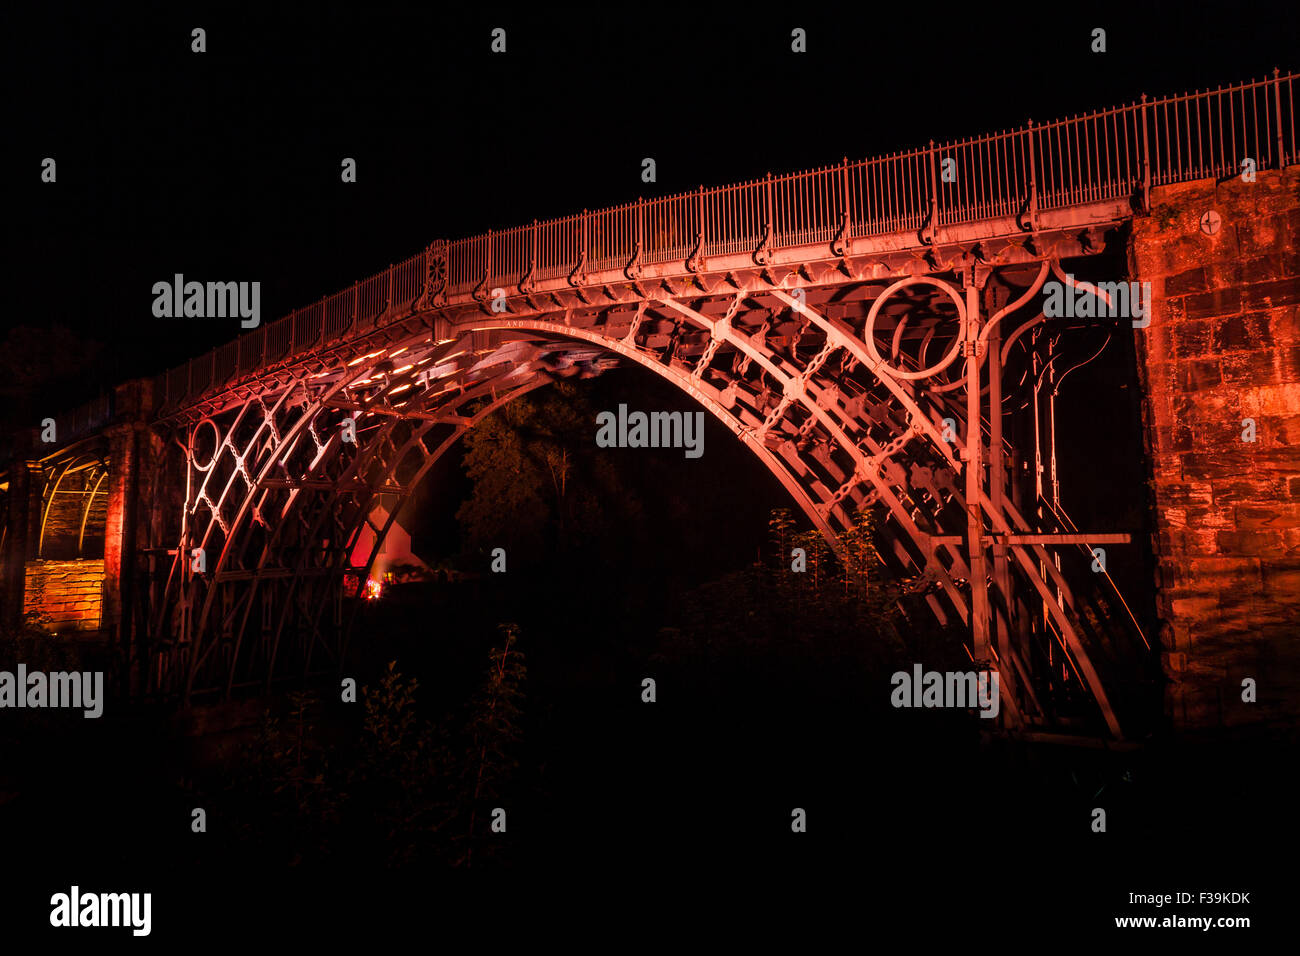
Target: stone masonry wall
{"type": "Point", "coordinates": [63, 525]}
{"type": "Point", "coordinates": [1223, 347]}
{"type": "Point", "coordinates": [64, 595]}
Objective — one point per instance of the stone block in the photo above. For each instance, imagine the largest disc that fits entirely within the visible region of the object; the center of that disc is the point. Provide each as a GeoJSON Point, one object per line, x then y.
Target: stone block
{"type": "Point", "coordinates": [1192, 280]}
{"type": "Point", "coordinates": [1254, 543]}
{"type": "Point", "coordinates": [1242, 333]}
{"type": "Point", "coordinates": [1268, 295]}
{"type": "Point", "coordinates": [1212, 304]}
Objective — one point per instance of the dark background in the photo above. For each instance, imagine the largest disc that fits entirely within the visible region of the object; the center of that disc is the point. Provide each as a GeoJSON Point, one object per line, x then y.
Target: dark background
{"type": "Point", "coordinates": [226, 165]}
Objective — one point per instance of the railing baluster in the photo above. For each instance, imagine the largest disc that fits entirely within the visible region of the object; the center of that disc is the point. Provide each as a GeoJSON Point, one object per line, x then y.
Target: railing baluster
{"type": "Point", "coordinates": [1254, 115]}
{"type": "Point", "coordinates": [1031, 144]}
{"type": "Point", "coordinates": [1146, 161]}
{"type": "Point", "coordinates": [1290, 96]}
{"type": "Point", "coordinates": [1088, 159]}
{"type": "Point", "coordinates": [1084, 158]}
{"type": "Point", "coordinates": [1277, 107]}
{"type": "Point", "coordinates": [1107, 184]}
{"type": "Point", "coordinates": [934, 192]}
{"type": "Point", "coordinates": [890, 220]}
{"type": "Point", "coordinates": [1077, 188]}
{"type": "Point", "coordinates": [1200, 158]}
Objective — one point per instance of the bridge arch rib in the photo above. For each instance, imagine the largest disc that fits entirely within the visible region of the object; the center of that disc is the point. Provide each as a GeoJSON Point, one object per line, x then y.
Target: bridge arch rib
{"type": "Point", "coordinates": [282, 498]}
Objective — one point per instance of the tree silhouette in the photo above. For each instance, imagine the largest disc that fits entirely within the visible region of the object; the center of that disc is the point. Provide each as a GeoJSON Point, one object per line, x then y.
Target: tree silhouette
{"type": "Point", "coordinates": [541, 488]}
{"type": "Point", "coordinates": [494, 728]}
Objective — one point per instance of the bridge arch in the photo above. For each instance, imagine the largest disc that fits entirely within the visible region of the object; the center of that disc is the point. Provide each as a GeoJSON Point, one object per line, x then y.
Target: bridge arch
{"type": "Point", "coordinates": [302, 491]}
{"type": "Point", "coordinates": [775, 275]}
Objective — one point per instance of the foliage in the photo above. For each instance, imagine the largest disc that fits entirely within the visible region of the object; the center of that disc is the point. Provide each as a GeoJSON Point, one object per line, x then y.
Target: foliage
{"type": "Point", "coordinates": [540, 489]}
{"type": "Point", "coordinates": [39, 651]}
{"type": "Point", "coordinates": [285, 782]}
{"type": "Point", "coordinates": [389, 792]}
{"type": "Point", "coordinates": [845, 608]}
{"type": "Point", "coordinates": [395, 776]}
{"type": "Point", "coordinates": [46, 653]}
{"type": "Point", "coordinates": [494, 732]}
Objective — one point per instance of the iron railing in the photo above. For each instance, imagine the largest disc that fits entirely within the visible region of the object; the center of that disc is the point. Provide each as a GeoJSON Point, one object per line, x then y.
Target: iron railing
{"type": "Point", "coordinates": [83, 420]}
{"type": "Point", "coordinates": [1112, 154]}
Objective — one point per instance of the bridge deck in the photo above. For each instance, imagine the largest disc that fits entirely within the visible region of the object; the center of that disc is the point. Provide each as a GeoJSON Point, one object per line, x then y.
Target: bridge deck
{"type": "Point", "coordinates": [1085, 171]}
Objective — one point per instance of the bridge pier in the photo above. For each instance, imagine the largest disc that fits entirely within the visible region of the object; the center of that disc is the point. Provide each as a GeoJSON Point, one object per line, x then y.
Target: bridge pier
{"type": "Point", "coordinates": [61, 503]}
{"type": "Point", "coordinates": [1220, 367]}
{"type": "Point", "coordinates": [22, 514]}
{"type": "Point", "coordinates": [132, 455]}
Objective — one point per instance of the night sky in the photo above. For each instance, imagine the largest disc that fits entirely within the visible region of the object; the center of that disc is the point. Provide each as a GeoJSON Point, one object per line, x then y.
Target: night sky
{"type": "Point", "coordinates": [226, 164]}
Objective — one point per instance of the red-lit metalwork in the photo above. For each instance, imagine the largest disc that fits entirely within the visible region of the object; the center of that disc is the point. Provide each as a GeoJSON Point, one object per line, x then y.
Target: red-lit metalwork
{"type": "Point", "coordinates": [820, 316]}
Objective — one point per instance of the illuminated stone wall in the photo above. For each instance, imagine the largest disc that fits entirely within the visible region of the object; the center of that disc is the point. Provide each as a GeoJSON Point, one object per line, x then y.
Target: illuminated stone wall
{"type": "Point", "coordinates": [64, 595]}
{"type": "Point", "coordinates": [1222, 356]}
{"type": "Point", "coordinates": [82, 496]}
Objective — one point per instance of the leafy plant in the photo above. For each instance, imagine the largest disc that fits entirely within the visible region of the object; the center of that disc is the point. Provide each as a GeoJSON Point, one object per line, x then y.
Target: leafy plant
{"type": "Point", "coordinates": [494, 729]}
